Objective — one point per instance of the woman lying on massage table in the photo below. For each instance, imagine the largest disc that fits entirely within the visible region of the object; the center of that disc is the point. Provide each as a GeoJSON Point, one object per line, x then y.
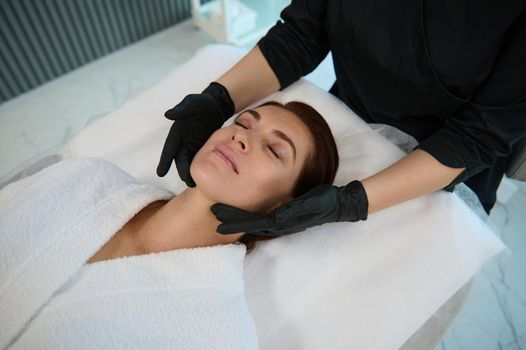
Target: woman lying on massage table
{"type": "Point", "coordinates": [53, 222]}
{"type": "Point", "coordinates": [269, 156]}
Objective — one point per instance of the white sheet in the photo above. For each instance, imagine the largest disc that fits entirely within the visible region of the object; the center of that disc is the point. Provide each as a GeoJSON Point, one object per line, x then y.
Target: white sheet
{"type": "Point", "coordinates": [367, 285]}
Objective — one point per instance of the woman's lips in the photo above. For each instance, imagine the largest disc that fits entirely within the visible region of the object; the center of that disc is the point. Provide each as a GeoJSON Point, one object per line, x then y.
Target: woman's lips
{"type": "Point", "coordinates": [227, 155]}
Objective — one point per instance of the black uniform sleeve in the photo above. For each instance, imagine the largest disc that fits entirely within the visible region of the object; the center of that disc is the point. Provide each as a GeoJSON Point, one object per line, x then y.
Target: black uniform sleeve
{"type": "Point", "coordinates": [295, 46]}
{"type": "Point", "coordinates": [493, 120]}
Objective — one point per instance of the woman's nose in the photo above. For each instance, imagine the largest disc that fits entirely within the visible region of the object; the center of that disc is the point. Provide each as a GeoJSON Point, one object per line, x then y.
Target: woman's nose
{"type": "Point", "coordinates": [240, 140]}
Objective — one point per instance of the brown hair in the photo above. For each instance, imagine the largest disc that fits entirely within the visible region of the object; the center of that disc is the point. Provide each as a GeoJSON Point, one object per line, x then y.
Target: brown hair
{"type": "Point", "coordinates": [321, 164]}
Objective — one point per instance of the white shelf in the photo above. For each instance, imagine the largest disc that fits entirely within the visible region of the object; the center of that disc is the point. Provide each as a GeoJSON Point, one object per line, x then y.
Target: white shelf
{"type": "Point", "coordinates": [237, 22]}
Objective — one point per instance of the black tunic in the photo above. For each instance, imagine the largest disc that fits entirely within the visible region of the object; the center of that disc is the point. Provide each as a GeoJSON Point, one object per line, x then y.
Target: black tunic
{"type": "Point", "coordinates": [452, 73]}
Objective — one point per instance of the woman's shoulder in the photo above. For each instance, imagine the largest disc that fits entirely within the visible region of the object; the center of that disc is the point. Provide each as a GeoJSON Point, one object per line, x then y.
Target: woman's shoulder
{"type": "Point", "coordinates": [86, 163]}
{"type": "Point", "coordinates": [91, 169]}
{"type": "Point", "coordinates": [68, 178]}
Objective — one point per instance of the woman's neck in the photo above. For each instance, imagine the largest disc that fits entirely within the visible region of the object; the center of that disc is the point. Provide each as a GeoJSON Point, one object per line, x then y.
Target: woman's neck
{"type": "Point", "coordinates": [183, 222]}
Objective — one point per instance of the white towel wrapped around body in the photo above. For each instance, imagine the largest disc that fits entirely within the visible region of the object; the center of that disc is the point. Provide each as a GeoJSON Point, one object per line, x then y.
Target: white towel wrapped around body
{"type": "Point", "coordinates": [51, 223]}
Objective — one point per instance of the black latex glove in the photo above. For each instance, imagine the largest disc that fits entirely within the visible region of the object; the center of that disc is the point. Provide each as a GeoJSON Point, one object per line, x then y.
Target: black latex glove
{"type": "Point", "coordinates": [322, 204]}
{"type": "Point", "coordinates": [195, 118]}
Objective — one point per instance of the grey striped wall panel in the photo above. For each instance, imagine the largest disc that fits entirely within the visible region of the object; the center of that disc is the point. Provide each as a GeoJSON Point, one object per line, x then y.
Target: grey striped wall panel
{"type": "Point", "coordinates": [43, 39]}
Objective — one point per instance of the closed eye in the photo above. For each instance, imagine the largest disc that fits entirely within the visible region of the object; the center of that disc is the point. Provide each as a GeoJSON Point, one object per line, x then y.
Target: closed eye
{"type": "Point", "coordinates": [273, 152]}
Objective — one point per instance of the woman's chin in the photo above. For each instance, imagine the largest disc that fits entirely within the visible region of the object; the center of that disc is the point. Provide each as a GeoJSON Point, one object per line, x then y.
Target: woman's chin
{"type": "Point", "coordinates": [214, 187]}
{"type": "Point", "coordinates": [224, 189]}
{"type": "Point", "coordinates": [207, 171]}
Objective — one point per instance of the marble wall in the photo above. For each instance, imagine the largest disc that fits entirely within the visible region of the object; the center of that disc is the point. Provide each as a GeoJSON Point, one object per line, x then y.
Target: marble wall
{"type": "Point", "coordinates": [40, 121]}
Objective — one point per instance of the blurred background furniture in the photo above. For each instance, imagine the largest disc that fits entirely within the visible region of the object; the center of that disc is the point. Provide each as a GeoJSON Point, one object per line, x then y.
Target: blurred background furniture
{"type": "Point", "coordinates": [237, 22]}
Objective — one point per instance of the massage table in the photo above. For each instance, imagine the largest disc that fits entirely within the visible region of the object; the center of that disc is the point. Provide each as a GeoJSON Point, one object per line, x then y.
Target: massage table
{"type": "Point", "coordinates": [291, 315]}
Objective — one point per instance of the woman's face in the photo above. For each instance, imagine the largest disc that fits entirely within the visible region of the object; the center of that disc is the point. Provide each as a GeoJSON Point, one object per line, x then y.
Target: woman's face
{"type": "Point", "coordinates": [265, 165]}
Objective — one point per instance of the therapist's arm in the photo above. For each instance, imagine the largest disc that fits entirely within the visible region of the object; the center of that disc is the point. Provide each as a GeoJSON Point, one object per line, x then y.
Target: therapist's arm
{"type": "Point", "coordinates": [412, 176]}
{"type": "Point", "coordinates": [250, 79]}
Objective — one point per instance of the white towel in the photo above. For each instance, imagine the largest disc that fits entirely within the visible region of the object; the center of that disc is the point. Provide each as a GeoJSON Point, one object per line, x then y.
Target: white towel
{"type": "Point", "coordinates": [51, 223]}
{"type": "Point", "coordinates": [181, 299]}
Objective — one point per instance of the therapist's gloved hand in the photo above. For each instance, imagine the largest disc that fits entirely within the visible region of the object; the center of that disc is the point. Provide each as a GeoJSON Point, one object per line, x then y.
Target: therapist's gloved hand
{"type": "Point", "coordinates": [320, 205]}
{"type": "Point", "coordinates": [195, 118]}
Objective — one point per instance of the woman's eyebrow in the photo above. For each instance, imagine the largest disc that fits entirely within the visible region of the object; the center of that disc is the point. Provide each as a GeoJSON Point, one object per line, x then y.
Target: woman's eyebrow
{"type": "Point", "coordinates": [278, 133]}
